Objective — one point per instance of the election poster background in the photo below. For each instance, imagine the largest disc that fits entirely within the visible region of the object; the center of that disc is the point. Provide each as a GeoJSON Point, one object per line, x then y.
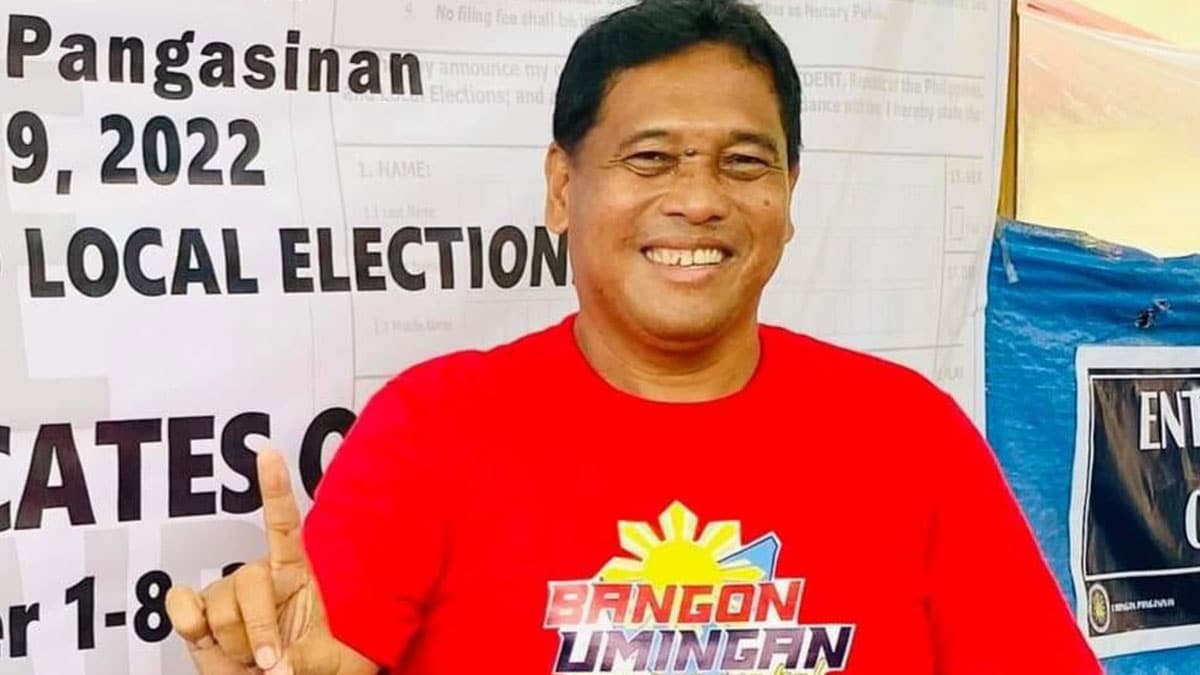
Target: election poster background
{"type": "Point", "coordinates": [224, 225]}
{"type": "Point", "coordinates": [1135, 499]}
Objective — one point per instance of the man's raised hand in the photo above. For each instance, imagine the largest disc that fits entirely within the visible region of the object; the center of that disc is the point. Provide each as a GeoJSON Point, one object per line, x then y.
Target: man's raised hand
{"type": "Point", "coordinates": [266, 617]}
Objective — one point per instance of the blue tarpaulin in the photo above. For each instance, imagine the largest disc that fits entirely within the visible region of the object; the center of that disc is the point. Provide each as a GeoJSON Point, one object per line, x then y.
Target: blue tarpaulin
{"type": "Point", "coordinates": [1050, 292]}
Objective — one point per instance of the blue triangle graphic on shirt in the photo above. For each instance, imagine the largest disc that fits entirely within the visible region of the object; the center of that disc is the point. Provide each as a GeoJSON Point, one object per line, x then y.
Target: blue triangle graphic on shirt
{"type": "Point", "coordinates": [763, 553]}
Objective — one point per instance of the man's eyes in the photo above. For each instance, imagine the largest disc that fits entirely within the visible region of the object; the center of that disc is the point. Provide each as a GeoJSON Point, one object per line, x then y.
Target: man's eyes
{"type": "Point", "coordinates": [746, 167]}
{"type": "Point", "coordinates": [648, 156]}
{"type": "Point", "coordinates": [650, 162]}
{"type": "Point", "coordinates": [739, 165]}
{"type": "Point", "coordinates": [748, 160]}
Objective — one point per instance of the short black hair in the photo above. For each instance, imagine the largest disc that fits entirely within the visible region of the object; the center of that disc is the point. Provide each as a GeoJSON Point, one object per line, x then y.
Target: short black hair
{"type": "Point", "coordinates": [653, 30]}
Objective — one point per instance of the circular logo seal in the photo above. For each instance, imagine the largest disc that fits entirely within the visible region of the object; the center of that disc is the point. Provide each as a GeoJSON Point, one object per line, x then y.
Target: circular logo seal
{"type": "Point", "coordinates": [1099, 609]}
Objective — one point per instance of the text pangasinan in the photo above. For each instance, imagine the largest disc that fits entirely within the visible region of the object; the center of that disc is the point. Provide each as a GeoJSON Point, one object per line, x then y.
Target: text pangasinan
{"type": "Point", "coordinates": [123, 59]}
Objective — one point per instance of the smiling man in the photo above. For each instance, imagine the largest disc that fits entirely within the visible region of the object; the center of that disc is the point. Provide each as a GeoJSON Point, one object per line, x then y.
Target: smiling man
{"type": "Point", "coordinates": [659, 483]}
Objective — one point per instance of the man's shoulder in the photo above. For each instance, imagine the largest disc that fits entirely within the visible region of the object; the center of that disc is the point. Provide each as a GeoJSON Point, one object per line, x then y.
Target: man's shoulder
{"type": "Point", "coordinates": [813, 358]}
{"type": "Point", "coordinates": [851, 388]}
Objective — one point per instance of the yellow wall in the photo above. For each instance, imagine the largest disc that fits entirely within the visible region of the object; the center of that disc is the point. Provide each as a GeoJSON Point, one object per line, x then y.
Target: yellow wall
{"type": "Point", "coordinates": [1107, 134]}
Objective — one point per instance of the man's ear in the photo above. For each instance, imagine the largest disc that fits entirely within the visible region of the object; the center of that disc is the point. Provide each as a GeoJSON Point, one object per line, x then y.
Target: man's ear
{"type": "Point", "coordinates": [558, 176]}
{"type": "Point", "coordinates": [793, 177]}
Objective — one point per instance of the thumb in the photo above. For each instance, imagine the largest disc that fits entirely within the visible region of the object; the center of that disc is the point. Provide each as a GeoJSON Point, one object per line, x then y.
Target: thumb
{"type": "Point", "coordinates": [255, 594]}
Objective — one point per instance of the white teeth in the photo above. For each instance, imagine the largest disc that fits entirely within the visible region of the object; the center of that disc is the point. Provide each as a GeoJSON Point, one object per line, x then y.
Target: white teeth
{"type": "Point", "coordinates": [685, 257]}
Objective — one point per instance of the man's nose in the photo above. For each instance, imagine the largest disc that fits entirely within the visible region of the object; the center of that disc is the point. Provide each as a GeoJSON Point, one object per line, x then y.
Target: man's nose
{"type": "Point", "coordinates": [697, 193]}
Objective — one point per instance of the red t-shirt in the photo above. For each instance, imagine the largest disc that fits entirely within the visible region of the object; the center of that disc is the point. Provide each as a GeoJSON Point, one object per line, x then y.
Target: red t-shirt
{"type": "Point", "coordinates": [508, 511]}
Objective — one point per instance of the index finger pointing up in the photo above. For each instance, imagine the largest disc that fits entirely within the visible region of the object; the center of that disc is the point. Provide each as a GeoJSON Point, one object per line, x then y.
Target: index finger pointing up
{"type": "Point", "coordinates": [285, 549]}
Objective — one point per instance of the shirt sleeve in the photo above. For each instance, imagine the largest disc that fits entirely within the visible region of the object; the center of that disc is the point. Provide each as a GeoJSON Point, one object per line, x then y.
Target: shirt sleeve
{"type": "Point", "coordinates": [376, 534]}
{"type": "Point", "coordinates": [994, 607]}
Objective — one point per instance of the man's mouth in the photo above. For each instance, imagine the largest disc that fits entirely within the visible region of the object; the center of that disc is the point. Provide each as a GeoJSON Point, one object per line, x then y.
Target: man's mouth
{"type": "Point", "coordinates": [685, 257]}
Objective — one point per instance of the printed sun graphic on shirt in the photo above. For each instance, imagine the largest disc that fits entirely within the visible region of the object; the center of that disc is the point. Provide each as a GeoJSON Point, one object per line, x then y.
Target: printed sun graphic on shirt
{"type": "Point", "coordinates": [679, 557]}
{"type": "Point", "coordinates": [686, 599]}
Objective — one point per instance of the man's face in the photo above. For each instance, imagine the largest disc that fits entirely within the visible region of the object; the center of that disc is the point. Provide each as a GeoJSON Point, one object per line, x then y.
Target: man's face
{"type": "Point", "coordinates": [677, 201]}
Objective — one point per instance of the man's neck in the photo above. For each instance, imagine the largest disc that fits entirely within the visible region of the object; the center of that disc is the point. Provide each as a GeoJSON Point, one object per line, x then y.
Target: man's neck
{"type": "Point", "coordinates": [670, 373]}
